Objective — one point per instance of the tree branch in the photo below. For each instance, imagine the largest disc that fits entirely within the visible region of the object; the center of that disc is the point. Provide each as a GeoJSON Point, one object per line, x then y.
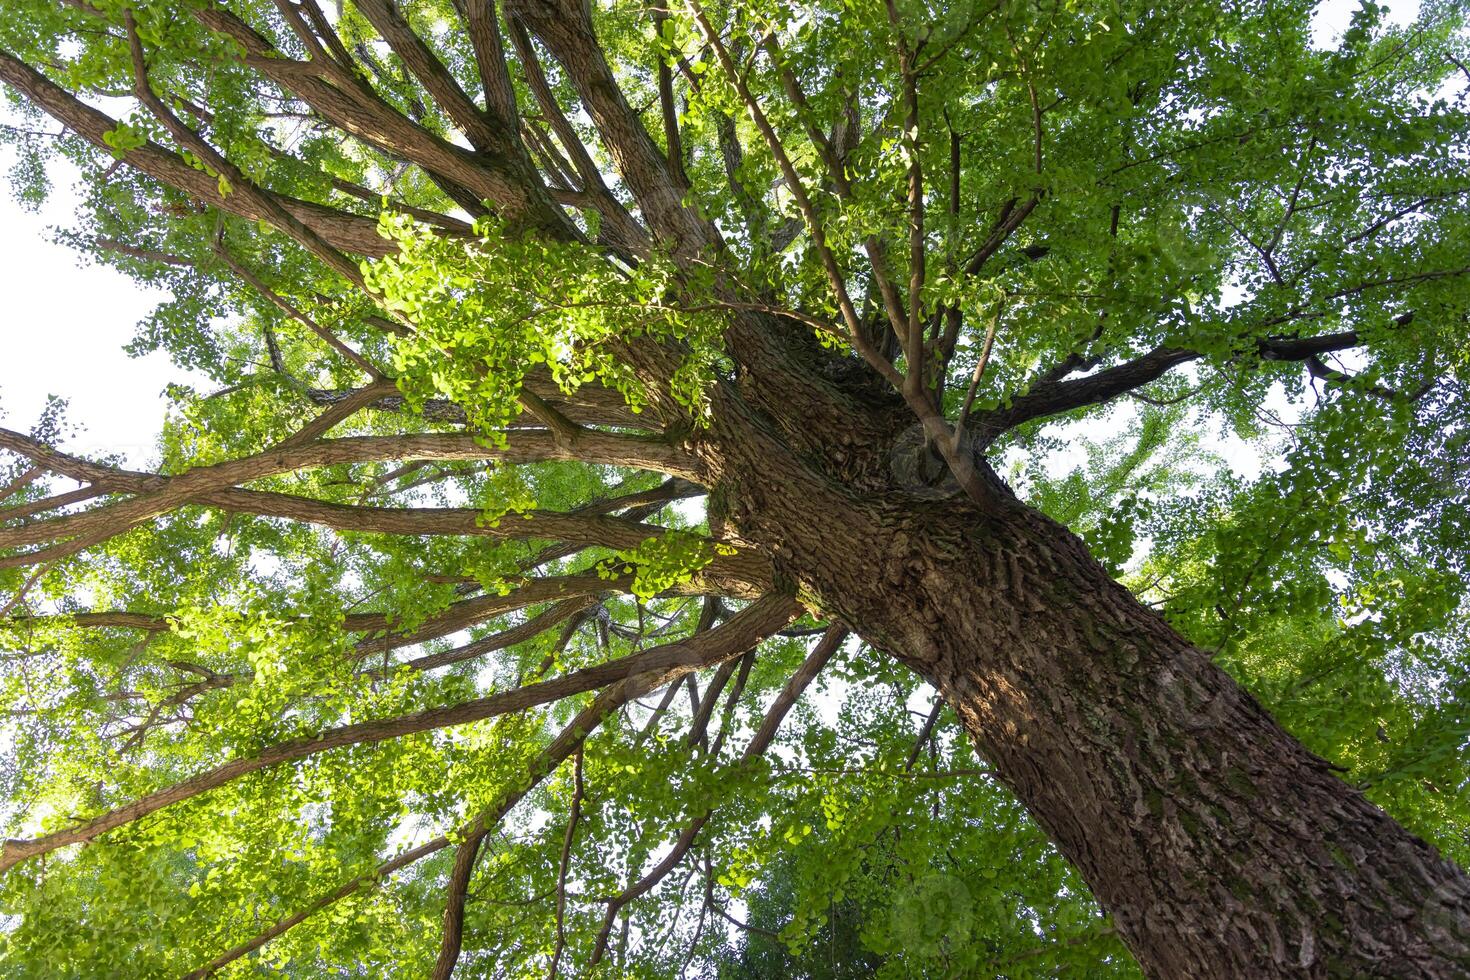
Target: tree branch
{"type": "Point", "coordinates": [561, 876]}
{"type": "Point", "coordinates": [663, 663]}
{"type": "Point", "coordinates": [1056, 397]}
{"type": "Point", "coordinates": [624, 231]}
{"type": "Point", "coordinates": [240, 184]}
{"type": "Point", "coordinates": [571, 738]}
{"type": "Point", "coordinates": [830, 643]}
{"type": "Point", "coordinates": [565, 27]}
{"type": "Point", "coordinates": [162, 494]}
{"type": "Point", "coordinates": [340, 229]}
{"type": "Point", "coordinates": [507, 179]}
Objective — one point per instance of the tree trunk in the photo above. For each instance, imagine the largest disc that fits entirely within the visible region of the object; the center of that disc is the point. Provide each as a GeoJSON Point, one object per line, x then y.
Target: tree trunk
{"type": "Point", "coordinates": [1220, 846]}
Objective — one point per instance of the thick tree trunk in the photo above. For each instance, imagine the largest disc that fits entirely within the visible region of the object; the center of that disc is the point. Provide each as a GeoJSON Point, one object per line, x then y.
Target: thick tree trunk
{"type": "Point", "coordinates": [1221, 846]}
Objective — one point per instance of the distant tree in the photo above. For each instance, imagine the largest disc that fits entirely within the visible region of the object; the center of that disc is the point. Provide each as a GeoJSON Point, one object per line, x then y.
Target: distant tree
{"type": "Point", "coordinates": [593, 379]}
{"type": "Point", "coordinates": [834, 949]}
{"type": "Point", "coordinates": [929, 890]}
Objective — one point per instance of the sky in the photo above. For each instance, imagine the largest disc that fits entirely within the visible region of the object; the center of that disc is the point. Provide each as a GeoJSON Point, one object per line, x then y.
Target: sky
{"type": "Point", "coordinates": [67, 321]}
{"type": "Point", "coordinates": [64, 328]}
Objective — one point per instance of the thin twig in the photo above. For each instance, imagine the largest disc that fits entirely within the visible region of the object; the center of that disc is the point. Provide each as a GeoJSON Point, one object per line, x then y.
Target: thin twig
{"type": "Point", "coordinates": [959, 426]}
{"type": "Point", "coordinates": [566, 857]}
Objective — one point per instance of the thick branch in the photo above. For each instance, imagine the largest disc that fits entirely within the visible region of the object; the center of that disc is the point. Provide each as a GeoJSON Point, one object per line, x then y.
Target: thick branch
{"type": "Point", "coordinates": [590, 404]}
{"type": "Point", "coordinates": [483, 132]}
{"type": "Point", "coordinates": [742, 631]}
{"type": "Point", "coordinates": [565, 27]}
{"type": "Point", "coordinates": [340, 229]}
{"type": "Point", "coordinates": [534, 626]}
{"type": "Point", "coordinates": [508, 180]}
{"type": "Point", "coordinates": [623, 231]}
{"type": "Point", "coordinates": [90, 527]}
{"type": "Point", "coordinates": [540, 768]}
{"type": "Point", "coordinates": [1056, 397]}
{"type": "Point", "coordinates": [830, 643]}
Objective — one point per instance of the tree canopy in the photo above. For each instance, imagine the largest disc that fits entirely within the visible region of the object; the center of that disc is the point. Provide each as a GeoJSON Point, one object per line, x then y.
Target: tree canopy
{"type": "Point", "coordinates": [445, 632]}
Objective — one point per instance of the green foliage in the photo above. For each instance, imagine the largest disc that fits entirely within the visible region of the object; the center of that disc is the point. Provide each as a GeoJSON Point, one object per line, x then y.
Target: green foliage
{"type": "Point", "coordinates": [484, 313]}
{"type": "Point", "coordinates": [659, 564]}
{"type": "Point", "coordinates": [1203, 176]}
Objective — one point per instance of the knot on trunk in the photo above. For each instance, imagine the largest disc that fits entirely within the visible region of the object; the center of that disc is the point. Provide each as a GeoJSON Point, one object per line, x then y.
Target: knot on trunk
{"type": "Point", "coordinates": [916, 467]}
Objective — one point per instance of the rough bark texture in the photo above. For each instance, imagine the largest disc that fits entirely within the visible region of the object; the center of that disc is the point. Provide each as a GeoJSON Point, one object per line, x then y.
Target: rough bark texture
{"type": "Point", "coordinates": [1221, 846]}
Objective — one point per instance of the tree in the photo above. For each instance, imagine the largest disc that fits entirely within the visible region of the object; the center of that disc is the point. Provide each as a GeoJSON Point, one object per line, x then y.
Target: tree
{"type": "Point", "coordinates": [407, 655]}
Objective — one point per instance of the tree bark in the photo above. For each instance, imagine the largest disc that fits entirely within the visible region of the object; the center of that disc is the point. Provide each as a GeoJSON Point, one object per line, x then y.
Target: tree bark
{"type": "Point", "coordinates": [1218, 843]}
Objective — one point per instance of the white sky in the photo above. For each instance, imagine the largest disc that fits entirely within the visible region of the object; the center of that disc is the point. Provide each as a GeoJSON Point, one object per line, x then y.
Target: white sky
{"type": "Point", "coordinates": [66, 321]}
{"type": "Point", "coordinates": [65, 324]}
